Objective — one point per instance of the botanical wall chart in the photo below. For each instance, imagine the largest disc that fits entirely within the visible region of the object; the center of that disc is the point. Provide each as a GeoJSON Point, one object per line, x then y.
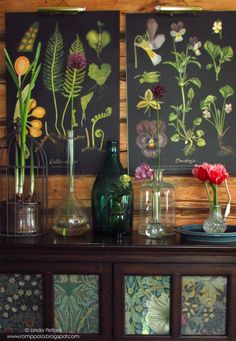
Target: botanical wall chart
{"type": "Point", "coordinates": [78, 85]}
{"type": "Point", "coordinates": [193, 58]}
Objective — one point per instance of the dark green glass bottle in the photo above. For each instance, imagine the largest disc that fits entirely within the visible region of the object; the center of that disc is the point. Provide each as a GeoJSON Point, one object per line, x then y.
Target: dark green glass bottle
{"type": "Point", "coordinates": [112, 196]}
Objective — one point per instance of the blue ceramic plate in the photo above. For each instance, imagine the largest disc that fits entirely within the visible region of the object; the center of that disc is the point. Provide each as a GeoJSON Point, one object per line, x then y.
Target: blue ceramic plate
{"type": "Point", "coordinates": [195, 233]}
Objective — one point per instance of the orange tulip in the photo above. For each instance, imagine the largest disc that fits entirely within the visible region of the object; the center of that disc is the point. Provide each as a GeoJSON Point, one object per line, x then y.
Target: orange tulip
{"type": "Point", "coordinates": [35, 132]}
{"type": "Point", "coordinates": [38, 112]}
{"type": "Point", "coordinates": [36, 124]}
{"type": "Point", "coordinates": [32, 103]}
{"type": "Point", "coordinates": [22, 65]}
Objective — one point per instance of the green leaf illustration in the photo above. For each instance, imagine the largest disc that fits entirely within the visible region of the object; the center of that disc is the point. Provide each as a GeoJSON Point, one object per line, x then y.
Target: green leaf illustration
{"type": "Point", "coordinates": [101, 74]}
{"type": "Point", "coordinates": [196, 81]}
{"type": "Point", "coordinates": [190, 94]}
{"type": "Point", "coordinates": [74, 77]}
{"type": "Point", "coordinates": [212, 49]}
{"type": "Point", "coordinates": [226, 91]}
{"type": "Point", "coordinates": [53, 63]}
{"type": "Point", "coordinates": [97, 40]}
{"type": "Point", "coordinates": [172, 117]}
{"type": "Point", "coordinates": [85, 101]}
{"type": "Point", "coordinates": [201, 143]}
{"type": "Point", "coordinates": [200, 133]}
{"type": "Point", "coordinates": [149, 77]}
{"type": "Point", "coordinates": [197, 121]}
{"type": "Point", "coordinates": [175, 138]}
{"type": "Point", "coordinates": [227, 53]}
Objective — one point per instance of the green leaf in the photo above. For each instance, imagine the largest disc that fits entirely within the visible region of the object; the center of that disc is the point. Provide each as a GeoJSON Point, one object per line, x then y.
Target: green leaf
{"type": "Point", "coordinates": [201, 143]}
{"type": "Point", "coordinates": [85, 101]}
{"type": "Point", "coordinates": [197, 121]}
{"type": "Point", "coordinates": [209, 66]}
{"type": "Point", "coordinates": [173, 64]}
{"type": "Point", "coordinates": [53, 63]}
{"type": "Point", "coordinates": [172, 117]}
{"type": "Point", "coordinates": [175, 138]}
{"type": "Point", "coordinates": [212, 49]}
{"type": "Point", "coordinates": [190, 94]}
{"type": "Point", "coordinates": [226, 54]}
{"type": "Point", "coordinates": [210, 99]}
{"type": "Point", "coordinates": [196, 81]}
{"type": "Point", "coordinates": [200, 133]}
{"type": "Point", "coordinates": [99, 74]}
{"type": "Point", "coordinates": [195, 62]}
{"type": "Point", "coordinates": [226, 91]}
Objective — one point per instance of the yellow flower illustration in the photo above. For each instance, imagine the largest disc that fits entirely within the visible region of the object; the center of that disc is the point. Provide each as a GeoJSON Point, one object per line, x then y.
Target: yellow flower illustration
{"type": "Point", "coordinates": [148, 102]}
{"type": "Point", "coordinates": [22, 65]}
{"type": "Point", "coordinates": [217, 27]}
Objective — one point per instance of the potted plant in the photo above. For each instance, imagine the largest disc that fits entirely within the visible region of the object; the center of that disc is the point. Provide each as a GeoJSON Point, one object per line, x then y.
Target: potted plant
{"type": "Point", "coordinates": [24, 154]}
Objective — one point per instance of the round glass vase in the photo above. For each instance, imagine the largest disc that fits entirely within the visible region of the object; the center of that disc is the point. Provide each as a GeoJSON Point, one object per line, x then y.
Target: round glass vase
{"type": "Point", "coordinates": [214, 223]}
{"type": "Point", "coordinates": [70, 218]}
{"type": "Point", "coordinates": [156, 218]}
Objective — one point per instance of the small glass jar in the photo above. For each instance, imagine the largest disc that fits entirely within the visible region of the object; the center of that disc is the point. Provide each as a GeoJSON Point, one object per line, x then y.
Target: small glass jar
{"type": "Point", "coordinates": [156, 207]}
{"type": "Point", "coordinates": [214, 223]}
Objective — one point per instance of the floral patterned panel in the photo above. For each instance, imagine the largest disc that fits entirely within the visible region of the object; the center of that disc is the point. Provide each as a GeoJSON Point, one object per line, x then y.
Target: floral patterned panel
{"type": "Point", "coordinates": [204, 305]}
{"type": "Point", "coordinates": [147, 305]}
{"type": "Point", "coordinates": [20, 302]}
{"type": "Point", "coordinates": [76, 300]}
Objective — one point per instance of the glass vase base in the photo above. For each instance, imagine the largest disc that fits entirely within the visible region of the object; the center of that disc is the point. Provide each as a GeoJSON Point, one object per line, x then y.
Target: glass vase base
{"type": "Point", "coordinates": [71, 231]}
{"type": "Point", "coordinates": [210, 227]}
{"type": "Point", "coordinates": [155, 230]}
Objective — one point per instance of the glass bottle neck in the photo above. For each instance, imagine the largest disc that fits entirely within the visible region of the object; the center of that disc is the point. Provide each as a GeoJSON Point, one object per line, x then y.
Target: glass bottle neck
{"type": "Point", "coordinates": [157, 175]}
{"type": "Point", "coordinates": [70, 159]}
{"type": "Point", "coordinates": [112, 150]}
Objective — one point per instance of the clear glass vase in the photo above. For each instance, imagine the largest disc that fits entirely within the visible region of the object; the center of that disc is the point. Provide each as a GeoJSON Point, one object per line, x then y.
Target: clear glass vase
{"type": "Point", "coordinates": [156, 207]}
{"type": "Point", "coordinates": [214, 223]}
{"type": "Point", "coordinates": [70, 218]}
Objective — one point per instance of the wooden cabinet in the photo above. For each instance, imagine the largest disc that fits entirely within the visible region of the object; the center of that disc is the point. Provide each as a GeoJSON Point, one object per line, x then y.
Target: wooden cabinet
{"type": "Point", "coordinates": [130, 289]}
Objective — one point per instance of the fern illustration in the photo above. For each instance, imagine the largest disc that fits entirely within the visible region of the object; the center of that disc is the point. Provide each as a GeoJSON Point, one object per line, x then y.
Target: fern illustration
{"type": "Point", "coordinates": [74, 77]}
{"type": "Point", "coordinates": [53, 69]}
{"type": "Point", "coordinates": [98, 132]}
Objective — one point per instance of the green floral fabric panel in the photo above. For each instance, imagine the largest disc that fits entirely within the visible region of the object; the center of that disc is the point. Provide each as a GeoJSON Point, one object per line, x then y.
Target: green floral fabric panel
{"type": "Point", "coordinates": [76, 303]}
{"type": "Point", "coordinates": [147, 305]}
{"type": "Point", "coordinates": [204, 305]}
{"type": "Point", "coordinates": [20, 302]}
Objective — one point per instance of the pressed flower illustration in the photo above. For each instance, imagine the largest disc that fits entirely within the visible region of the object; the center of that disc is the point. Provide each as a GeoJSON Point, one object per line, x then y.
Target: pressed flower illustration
{"type": "Point", "coordinates": [219, 55]}
{"type": "Point", "coordinates": [217, 27]}
{"type": "Point", "coordinates": [177, 31]}
{"type": "Point", "coordinates": [185, 131]}
{"type": "Point", "coordinates": [27, 42]}
{"type": "Point", "coordinates": [148, 102]}
{"type": "Point", "coordinates": [216, 116]}
{"type": "Point", "coordinates": [148, 77]}
{"type": "Point", "coordinates": [98, 40]}
{"type": "Point", "coordinates": [149, 42]}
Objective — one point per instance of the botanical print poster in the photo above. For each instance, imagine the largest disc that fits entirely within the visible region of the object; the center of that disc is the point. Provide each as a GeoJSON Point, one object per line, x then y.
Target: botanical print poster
{"type": "Point", "coordinates": [78, 84]}
{"type": "Point", "coordinates": [193, 58]}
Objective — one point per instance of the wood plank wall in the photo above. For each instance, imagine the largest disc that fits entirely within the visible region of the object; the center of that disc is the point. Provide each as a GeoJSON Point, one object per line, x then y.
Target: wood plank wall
{"type": "Point", "coordinates": [190, 193]}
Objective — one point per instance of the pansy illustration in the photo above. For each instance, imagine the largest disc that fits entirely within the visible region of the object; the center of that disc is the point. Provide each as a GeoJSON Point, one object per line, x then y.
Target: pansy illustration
{"type": "Point", "coordinates": [147, 137]}
{"type": "Point", "coordinates": [217, 27]}
{"type": "Point", "coordinates": [177, 31]}
{"type": "Point", "coordinates": [148, 102]}
{"type": "Point", "coordinates": [195, 45]}
{"type": "Point", "coordinates": [149, 42]}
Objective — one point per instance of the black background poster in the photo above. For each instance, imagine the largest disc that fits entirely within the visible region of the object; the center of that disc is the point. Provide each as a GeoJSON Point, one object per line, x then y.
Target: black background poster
{"type": "Point", "coordinates": [87, 98]}
{"type": "Point", "coordinates": [194, 58]}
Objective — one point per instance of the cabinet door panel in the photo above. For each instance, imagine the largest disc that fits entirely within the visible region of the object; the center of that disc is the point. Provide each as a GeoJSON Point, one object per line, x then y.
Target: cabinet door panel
{"type": "Point", "coordinates": [204, 302]}
{"type": "Point", "coordinates": [147, 305]}
{"type": "Point", "coordinates": [21, 302]}
{"type": "Point", "coordinates": [76, 303]}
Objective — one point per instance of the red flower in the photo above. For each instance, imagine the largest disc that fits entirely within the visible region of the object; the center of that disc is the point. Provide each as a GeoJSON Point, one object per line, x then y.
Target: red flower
{"type": "Point", "coordinates": [217, 174]}
{"type": "Point", "coordinates": [200, 171]}
{"type": "Point", "coordinates": [158, 91]}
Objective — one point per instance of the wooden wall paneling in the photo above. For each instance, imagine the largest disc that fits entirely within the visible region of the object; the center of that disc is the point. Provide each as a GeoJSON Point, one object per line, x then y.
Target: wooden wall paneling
{"type": "Point", "coordinates": [190, 193]}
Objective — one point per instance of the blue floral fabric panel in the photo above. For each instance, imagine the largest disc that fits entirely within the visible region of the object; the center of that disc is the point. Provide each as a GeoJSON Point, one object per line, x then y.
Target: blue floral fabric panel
{"type": "Point", "coordinates": [76, 303]}
{"type": "Point", "coordinates": [147, 305]}
{"type": "Point", "coordinates": [204, 305]}
{"type": "Point", "coordinates": [21, 302]}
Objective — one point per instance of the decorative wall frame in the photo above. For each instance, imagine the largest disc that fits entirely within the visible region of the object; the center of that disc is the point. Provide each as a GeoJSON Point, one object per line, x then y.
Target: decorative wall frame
{"type": "Point", "coordinates": [78, 84]}
{"type": "Point", "coordinates": [193, 57]}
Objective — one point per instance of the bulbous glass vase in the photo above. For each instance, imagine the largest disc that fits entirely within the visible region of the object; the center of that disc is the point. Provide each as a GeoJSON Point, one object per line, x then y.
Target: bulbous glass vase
{"type": "Point", "coordinates": [156, 207]}
{"type": "Point", "coordinates": [70, 218]}
{"type": "Point", "coordinates": [214, 223]}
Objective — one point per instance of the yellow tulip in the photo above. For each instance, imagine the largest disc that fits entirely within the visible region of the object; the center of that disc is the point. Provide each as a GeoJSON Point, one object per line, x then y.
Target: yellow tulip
{"type": "Point", "coordinates": [35, 132]}
{"type": "Point", "coordinates": [36, 124]}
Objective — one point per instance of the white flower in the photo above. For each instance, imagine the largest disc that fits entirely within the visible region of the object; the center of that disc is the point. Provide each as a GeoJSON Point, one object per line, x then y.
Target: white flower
{"type": "Point", "coordinates": [21, 283]}
{"type": "Point", "coordinates": [35, 307]}
{"type": "Point", "coordinates": [12, 280]}
{"type": "Point", "coordinates": [206, 114]}
{"type": "Point", "coordinates": [28, 293]}
{"type": "Point", "coordinates": [15, 297]}
{"type": "Point", "coordinates": [27, 277]}
{"type": "Point", "coordinates": [36, 292]}
{"type": "Point", "coordinates": [9, 299]}
{"type": "Point", "coordinates": [34, 283]}
{"type": "Point", "coordinates": [5, 314]}
{"type": "Point", "coordinates": [7, 307]}
{"type": "Point", "coordinates": [228, 108]}
{"type": "Point", "coordinates": [23, 307]}
{"type": "Point", "coordinates": [217, 26]}
{"type": "Point", "coordinates": [158, 317]}
{"type": "Point", "coordinates": [21, 292]}
{"type": "Point", "coordinates": [13, 309]}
